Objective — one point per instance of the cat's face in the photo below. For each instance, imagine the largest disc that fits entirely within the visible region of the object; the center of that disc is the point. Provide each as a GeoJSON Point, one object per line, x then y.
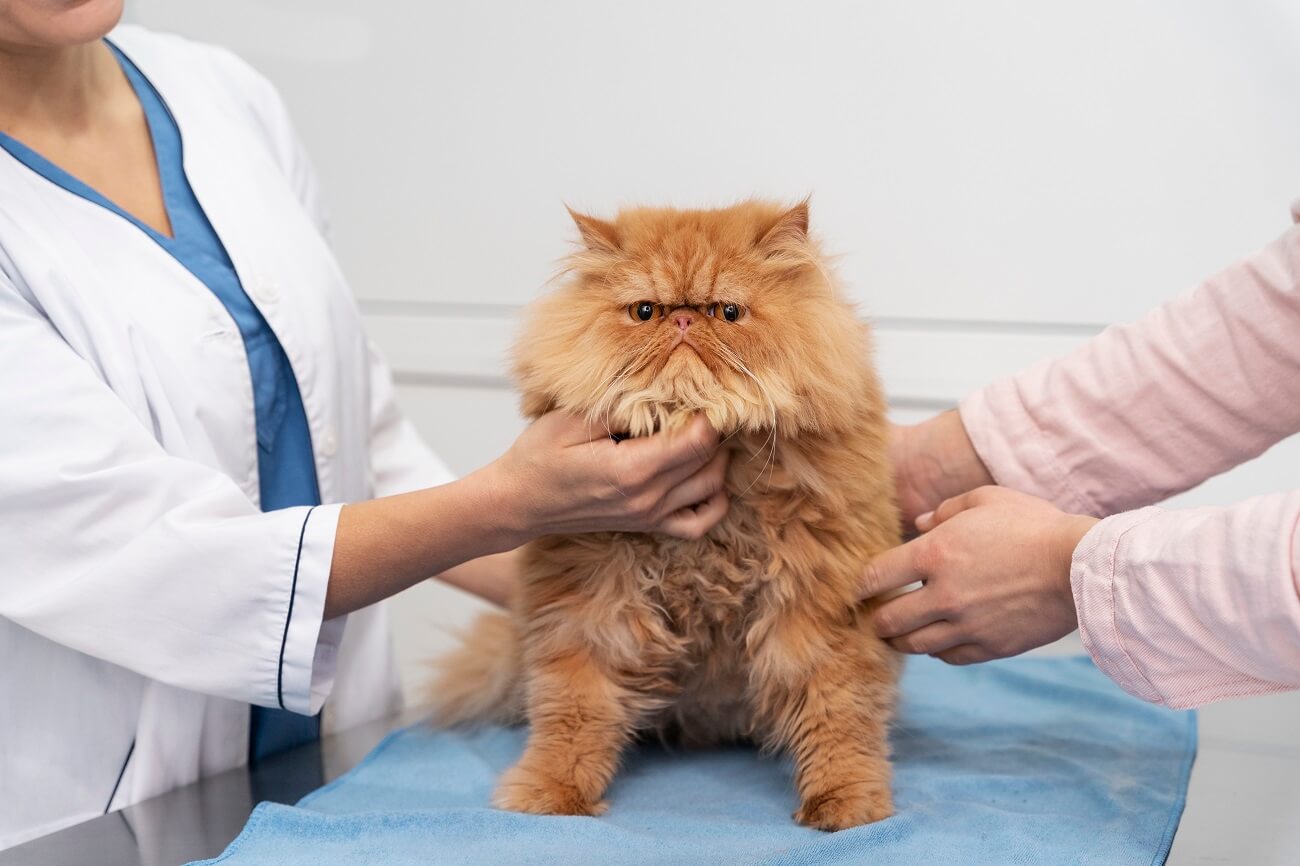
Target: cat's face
{"type": "Point", "coordinates": [728, 312]}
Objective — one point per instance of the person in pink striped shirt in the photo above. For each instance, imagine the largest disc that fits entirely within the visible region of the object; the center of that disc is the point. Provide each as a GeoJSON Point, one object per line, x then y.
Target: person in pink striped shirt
{"type": "Point", "coordinates": [1181, 607]}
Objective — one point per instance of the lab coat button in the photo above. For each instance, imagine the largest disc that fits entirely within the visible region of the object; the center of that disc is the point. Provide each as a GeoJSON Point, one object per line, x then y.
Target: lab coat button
{"type": "Point", "coordinates": [261, 286]}
{"type": "Point", "coordinates": [329, 443]}
{"type": "Point", "coordinates": [266, 291]}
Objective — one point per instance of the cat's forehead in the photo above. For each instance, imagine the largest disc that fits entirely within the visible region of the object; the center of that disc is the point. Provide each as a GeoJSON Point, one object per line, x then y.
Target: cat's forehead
{"type": "Point", "coordinates": [687, 261]}
{"type": "Point", "coordinates": [686, 240]}
{"type": "Point", "coordinates": [690, 280]}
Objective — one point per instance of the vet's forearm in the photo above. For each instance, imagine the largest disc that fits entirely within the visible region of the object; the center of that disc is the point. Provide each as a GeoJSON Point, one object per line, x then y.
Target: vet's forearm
{"type": "Point", "coordinates": [384, 546]}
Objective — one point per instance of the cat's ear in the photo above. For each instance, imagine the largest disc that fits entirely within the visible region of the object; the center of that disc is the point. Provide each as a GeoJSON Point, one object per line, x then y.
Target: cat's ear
{"type": "Point", "coordinates": [599, 236]}
{"type": "Point", "coordinates": [789, 230]}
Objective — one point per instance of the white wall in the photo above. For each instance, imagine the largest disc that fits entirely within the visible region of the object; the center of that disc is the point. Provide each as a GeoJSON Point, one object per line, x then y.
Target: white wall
{"type": "Point", "coordinates": [1001, 178]}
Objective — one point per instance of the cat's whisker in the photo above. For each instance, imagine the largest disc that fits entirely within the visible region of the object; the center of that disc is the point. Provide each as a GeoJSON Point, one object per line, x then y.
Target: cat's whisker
{"type": "Point", "coordinates": [739, 365]}
{"type": "Point", "coordinates": [605, 405]}
{"type": "Point", "coordinates": [731, 357]}
{"type": "Point", "coordinates": [599, 413]}
{"type": "Point", "coordinates": [601, 408]}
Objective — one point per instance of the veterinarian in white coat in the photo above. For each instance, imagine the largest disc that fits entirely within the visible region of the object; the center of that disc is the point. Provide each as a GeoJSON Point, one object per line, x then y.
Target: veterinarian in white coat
{"type": "Point", "coordinates": [146, 600]}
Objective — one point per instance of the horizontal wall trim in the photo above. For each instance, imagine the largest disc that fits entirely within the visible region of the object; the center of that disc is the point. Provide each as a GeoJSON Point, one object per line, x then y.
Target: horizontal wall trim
{"type": "Point", "coordinates": [986, 326]}
{"type": "Point", "coordinates": [451, 309]}
{"type": "Point", "coordinates": [451, 380]}
{"type": "Point", "coordinates": [924, 366]}
{"type": "Point", "coordinates": [919, 404]}
{"type": "Point", "coordinates": [488, 310]}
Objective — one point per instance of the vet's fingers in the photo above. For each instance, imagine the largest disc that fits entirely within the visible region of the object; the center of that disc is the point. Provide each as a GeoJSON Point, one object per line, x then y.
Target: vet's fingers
{"type": "Point", "coordinates": [934, 638]}
{"type": "Point", "coordinates": [676, 454]}
{"type": "Point", "coordinates": [700, 486]}
{"type": "Point", "coordinates": [716, 464]}
{"type": "Point", "coordinates": [964, 654]}
{"type": "Point", "coordinates": [893, 569]}
{"type": "Point", "coordinates": [949, 508]}
{"type": "Point", "coordinates": [907, 613]}
{"type": "Point", "coordinates": [695, 522]}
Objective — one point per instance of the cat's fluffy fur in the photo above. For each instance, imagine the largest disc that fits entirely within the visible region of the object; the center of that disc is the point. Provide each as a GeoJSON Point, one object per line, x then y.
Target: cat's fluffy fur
{"type": "Point", "coordinates": [754, 631]}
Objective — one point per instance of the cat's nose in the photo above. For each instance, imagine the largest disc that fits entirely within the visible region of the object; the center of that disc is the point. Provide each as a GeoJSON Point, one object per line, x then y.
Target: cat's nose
{"type": "Point", "coordinates": [683, 318]}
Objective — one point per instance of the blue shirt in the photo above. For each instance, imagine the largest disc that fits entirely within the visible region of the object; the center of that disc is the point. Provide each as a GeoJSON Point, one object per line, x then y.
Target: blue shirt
{"type": "Point", "coordinates": [285, 461]}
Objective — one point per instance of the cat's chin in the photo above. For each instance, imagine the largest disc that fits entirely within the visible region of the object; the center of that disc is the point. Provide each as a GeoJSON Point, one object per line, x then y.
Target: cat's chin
{"type": "Point", "coordinates": [644, 418]}
{"type": "Point", "coordinates": [683, 388]}
{"type": "Point", "coordinates": [647, 416]}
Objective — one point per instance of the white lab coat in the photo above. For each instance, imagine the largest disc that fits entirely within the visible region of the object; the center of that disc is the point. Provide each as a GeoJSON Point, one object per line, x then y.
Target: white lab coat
{"type": "Point", "coordinates": [145, 600]}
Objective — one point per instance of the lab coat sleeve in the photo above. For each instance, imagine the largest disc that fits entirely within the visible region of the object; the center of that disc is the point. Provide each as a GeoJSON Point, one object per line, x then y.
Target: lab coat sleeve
{"type": "Point", "coordinates": [161, 565]}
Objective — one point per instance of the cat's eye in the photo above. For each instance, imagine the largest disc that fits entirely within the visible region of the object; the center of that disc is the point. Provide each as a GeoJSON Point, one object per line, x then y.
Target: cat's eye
{"type": "Point", "coordinates": [642, 310]}
{"type": "Point", "coordinates": [730, 312]}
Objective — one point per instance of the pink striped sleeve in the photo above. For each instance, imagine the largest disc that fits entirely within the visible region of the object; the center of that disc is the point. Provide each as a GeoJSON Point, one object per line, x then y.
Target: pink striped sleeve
{"type": "Point", "coordinates": [1191, 606]}
{"type": "Point", "coordinates": [1149, 409]}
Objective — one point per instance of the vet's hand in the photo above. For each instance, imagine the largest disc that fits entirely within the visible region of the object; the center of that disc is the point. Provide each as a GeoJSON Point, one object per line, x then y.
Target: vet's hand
{"type": "Point", "coordinates": [564, 475]}
{"type": "Point", "coordinates": [995, 565]}
{"type": "Point", "coordinates": [934, 461]}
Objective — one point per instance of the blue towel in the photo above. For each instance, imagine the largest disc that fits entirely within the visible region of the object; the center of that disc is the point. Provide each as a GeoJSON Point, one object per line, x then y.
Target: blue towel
{"type": "Point", "coordinates": [1025, 761]}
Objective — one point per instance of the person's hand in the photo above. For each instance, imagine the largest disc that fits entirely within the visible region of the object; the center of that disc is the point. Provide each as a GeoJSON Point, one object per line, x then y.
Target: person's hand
{"type": "Point", "coordinates": [564, 475]}
{"type": "Point", "coordinates": [995, 565]}
{"type": "Point", "coordinates": [934, 461]}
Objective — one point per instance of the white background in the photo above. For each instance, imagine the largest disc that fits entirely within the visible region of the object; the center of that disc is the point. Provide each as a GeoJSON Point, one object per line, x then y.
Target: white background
{"type": "Point", "coordinates": [1000, 178]}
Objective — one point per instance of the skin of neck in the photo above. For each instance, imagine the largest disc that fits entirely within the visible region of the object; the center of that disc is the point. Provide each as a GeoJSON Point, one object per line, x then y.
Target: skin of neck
{"type": "Point", "coordinates": [57, 75]}
{"type": "Point", "coordinates": [67, 88]}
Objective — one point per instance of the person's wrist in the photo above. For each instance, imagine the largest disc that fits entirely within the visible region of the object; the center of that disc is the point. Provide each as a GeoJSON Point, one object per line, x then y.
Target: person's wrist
{"type": "Point", "coordinates": [501, 502]}
{"type": "Point", "coordinates": [959, 462]}
{"type": "Point", "coordinates": [935, 462]}
{"type": "Point", "coordinates": [1069, 534]}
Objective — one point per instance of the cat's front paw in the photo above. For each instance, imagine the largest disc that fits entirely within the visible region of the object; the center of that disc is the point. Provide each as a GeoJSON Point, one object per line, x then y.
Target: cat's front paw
{"type": "Point", "coordinates": [844, 808]}
{"type": "Point", "coordinates": [524, 790]}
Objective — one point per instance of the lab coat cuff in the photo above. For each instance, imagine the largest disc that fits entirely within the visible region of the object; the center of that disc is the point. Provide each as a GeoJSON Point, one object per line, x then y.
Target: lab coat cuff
{"type": "Point", "coordinates": [1014, 448]}
{"type": "Point", "coordinates": [1093, 580]}
{"type": "Point", "coordinates": [309, 646]}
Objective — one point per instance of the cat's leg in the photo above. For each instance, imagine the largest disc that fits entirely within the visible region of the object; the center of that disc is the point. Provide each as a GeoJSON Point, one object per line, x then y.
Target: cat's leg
{"type": "Point", "coordinates": [828, 694]}
{"type": "Point", "coordinates": [581, 720]}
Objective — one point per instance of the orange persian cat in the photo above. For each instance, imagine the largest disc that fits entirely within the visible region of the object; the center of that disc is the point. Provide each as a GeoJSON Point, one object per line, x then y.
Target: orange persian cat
{"type": "Point", "coordinates": [753, 631]}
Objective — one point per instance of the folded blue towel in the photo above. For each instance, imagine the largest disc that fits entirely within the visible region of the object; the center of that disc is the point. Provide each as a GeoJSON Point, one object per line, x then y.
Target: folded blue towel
{"type": "Point", "coordinates": [1025, 761]}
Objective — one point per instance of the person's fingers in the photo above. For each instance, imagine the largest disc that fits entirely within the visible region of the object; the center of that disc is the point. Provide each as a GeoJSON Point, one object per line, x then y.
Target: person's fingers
{"type": "Point", "coordinates": [963, 654]}
{"type": "Point", "coordinates": [893, 569]}
{"type": "Point", "coordinates": [569, 429]}
{"type": "Point", "coordinates": [698, 487]}
{"type": "Point", "coordinates": [676, 455]}
{"type": "Point", "coordinates": [695, 522]}
{"type": "Point", "coordinates": [934, 638]}
{"type": "Point", "coordinates": [949, 508]}
{"type": "Point", "coordinates": [717, 463]}
{"type": "Point", "coordinates": [907, 613]}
